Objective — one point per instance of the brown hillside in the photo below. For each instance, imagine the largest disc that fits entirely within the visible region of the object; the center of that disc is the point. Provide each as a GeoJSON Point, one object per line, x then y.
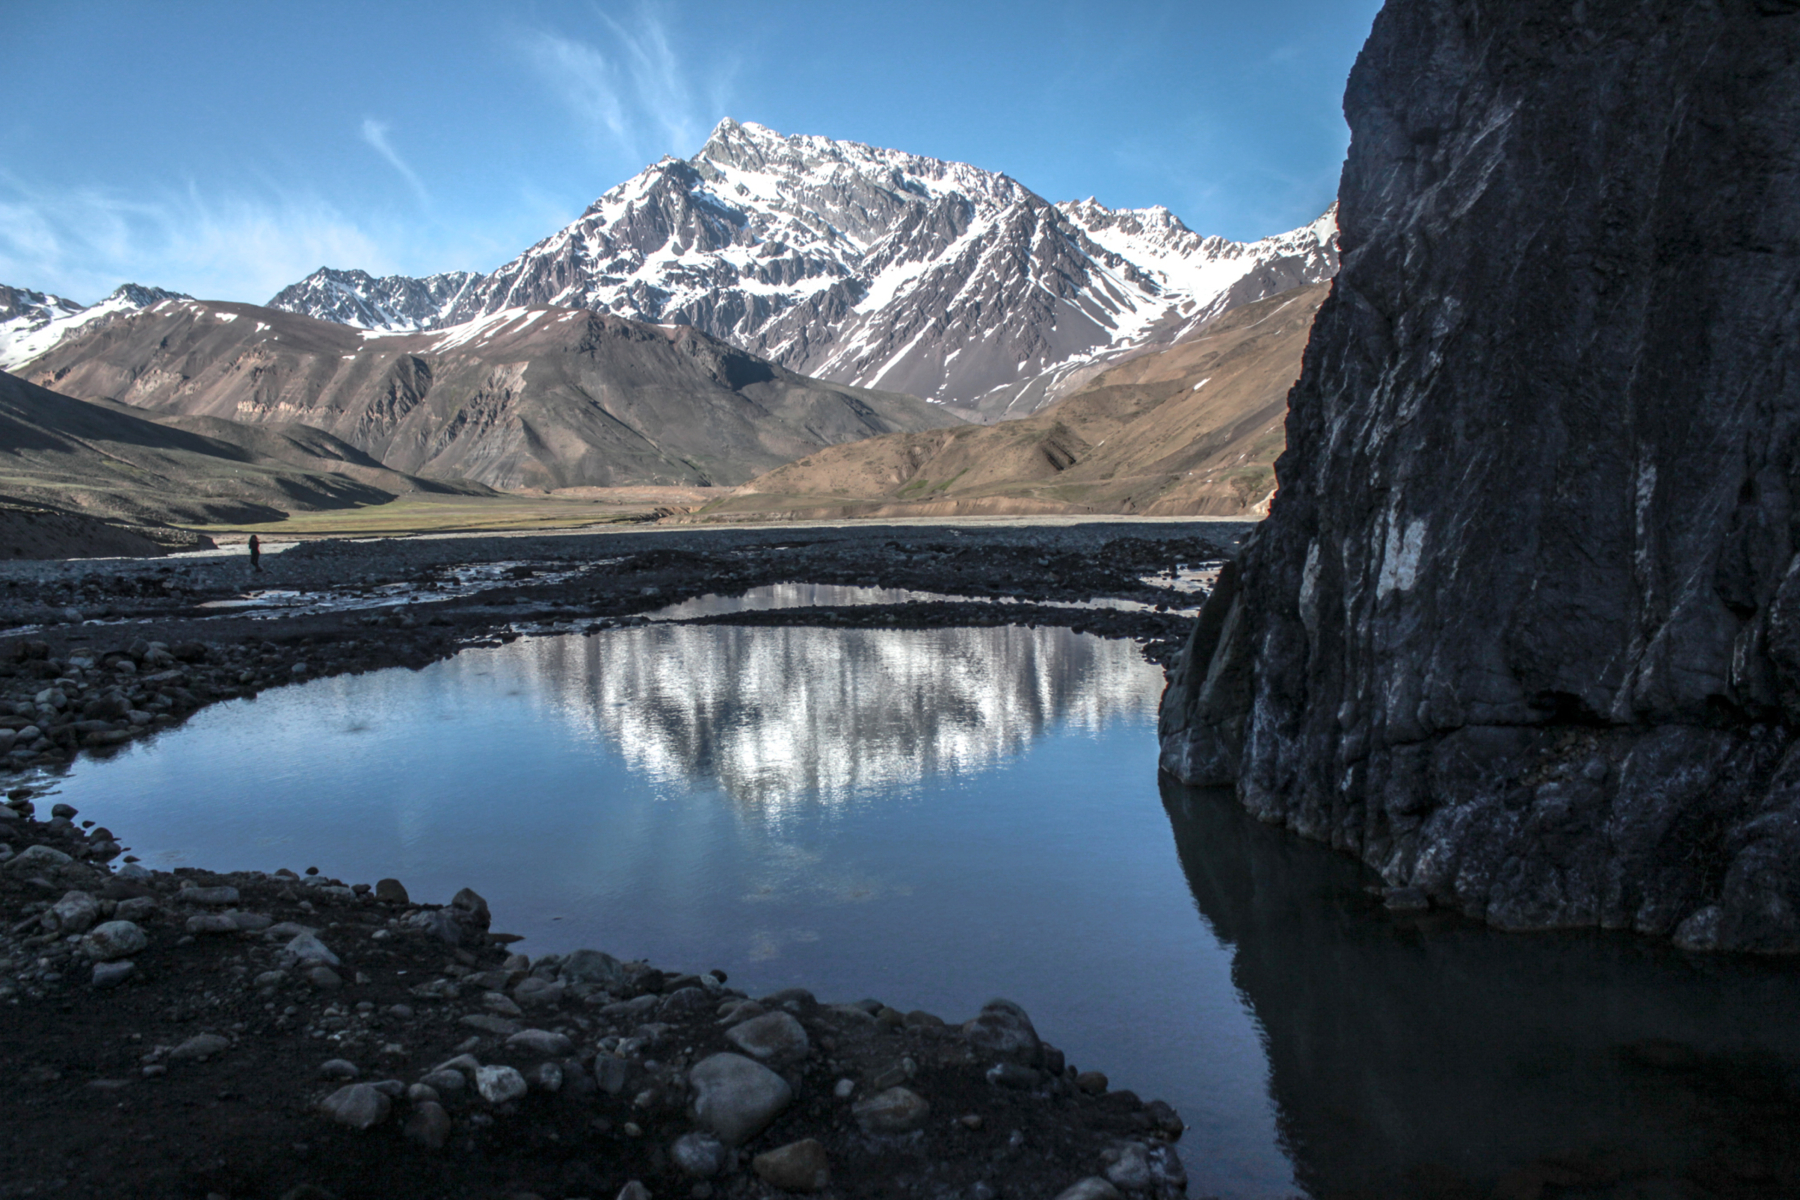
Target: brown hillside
{"type": "Point", "coordinates": [1193, 429]}
{"type": "Point", "coordinates": [527, 398]}
{"type": "Point", "coordinates": [109, 461]}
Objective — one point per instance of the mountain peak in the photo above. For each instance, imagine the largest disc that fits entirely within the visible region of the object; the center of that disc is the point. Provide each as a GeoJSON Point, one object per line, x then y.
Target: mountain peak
{"type": "Point", "coordinates": [865, 265]}
{"type": "Point", "coordinates": [356, 298]}
{"type": "Point", "coordinates": [32, 322]}
{"type": "Point", "coordinates": [138, 295]}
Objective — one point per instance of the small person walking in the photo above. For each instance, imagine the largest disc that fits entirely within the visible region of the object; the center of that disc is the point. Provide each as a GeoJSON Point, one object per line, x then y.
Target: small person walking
{"type": "Point", "coordinates": [255, 553]}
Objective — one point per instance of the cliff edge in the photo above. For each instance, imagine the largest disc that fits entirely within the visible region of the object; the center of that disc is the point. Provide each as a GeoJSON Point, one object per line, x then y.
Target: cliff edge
{"type": "Point", "coordinates": [1523, 627]}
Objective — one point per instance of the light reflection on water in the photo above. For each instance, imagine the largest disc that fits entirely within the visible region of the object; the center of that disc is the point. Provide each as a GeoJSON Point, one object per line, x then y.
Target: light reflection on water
{"type": "Point", "coordinates": [931, 817]}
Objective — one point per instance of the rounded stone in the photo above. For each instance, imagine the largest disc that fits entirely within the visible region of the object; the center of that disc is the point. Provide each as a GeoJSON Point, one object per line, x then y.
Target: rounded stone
{"type": "Point", "coordinates": [75, 913]}
{"type": "Point", "coordinates": [1003, 1031]}
{"type": "Point", "coordinates": [338, 1068]}
{"type": "Point", "coordinates": [201, 1046]}
{"type": "Point", "coordinates": [392, 891]}
{"type": "Point", "coordinates": [471, 909]}
{"type": "Point", "coordinates": [444, 1080]}
{"type": "Point", "coordinates": [429, 1125]}
{"type": "Point", "coordinates": [38, 856]}
{"type": "Point", "coordinates": [796, 1167]}
{"type": "Point", "coordinates": [736, 1097]}
{"type": "Point", "coordinates": [357, 1105]}
{"type": "Point", "coordinates": [700, 1155]}
{"type": "Point", "coordinates": [219, 896]}
{"type": "Point", "coordinates": [540, 1042]}
{"type": "Point", "coordinates": [498, 1085]}
{"type": "Point", "coordinates": [534, 992]}
{"type": "Point", "coordinates": [1132, 1170]}
{"type": "Point", "coordinates": [1405, 900]}
{"type": "Point", "coordinates": [595, 967]}
{"type": "Point", "coordinates": [897, 1110]}
{"type": "Point", "coordinates": [1012, 1075]}
{"type": "Point", "coordinates": [113, 940]}
{"type": "Point", "coordinates": [1091, 1188]}
{"type": "Point", "coordinates": [684, 1002]}
{"type": "Point", "coordinates": [112, 974]}
{"type": "Point", "coordinates": [772, 1037]}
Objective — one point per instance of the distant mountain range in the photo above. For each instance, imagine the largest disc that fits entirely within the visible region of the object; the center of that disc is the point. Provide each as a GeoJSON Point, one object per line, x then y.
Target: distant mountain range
{"type": "Point", "coordinates": [865, 266]}
{"type": "Point", "coordinates": [706, 322]}
{"type": "Point", "coordinates": [523, 398]}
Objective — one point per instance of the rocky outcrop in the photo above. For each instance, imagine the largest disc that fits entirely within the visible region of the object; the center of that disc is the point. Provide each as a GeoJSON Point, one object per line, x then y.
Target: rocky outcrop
{"type": "Point", "coordinates": [1523, 627]}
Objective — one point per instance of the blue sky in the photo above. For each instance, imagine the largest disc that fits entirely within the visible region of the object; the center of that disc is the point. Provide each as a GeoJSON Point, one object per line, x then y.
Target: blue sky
{"type": "Point", "coordinates": [228, 149]}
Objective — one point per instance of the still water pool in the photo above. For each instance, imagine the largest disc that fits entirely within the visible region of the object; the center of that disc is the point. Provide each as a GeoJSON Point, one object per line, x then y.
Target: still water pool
{"type": "Point", "coordinates": [936, 817]}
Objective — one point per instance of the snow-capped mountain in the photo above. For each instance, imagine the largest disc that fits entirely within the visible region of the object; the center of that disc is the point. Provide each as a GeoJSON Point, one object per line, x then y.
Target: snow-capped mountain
{"type": "Point", "coordinates": [32, 322]}
{"type": "Point", "coordinates": [394, 302]}
{"type": "Point", "coordinates": [873, 267]}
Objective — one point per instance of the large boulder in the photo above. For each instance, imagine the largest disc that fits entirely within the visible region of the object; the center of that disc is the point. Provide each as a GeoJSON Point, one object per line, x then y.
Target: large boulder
{"type": "Point", "coordinates": [1522, 629]}
{"type": "Point", "coordinates": [113, 940]}
{"type": "Point", "coordinates": [1004, 1032]}
{"type": "Point", "coordinates": [736, 1097]}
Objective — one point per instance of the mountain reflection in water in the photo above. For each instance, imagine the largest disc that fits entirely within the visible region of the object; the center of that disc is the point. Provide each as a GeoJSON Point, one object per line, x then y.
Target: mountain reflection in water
{"type": "Point", "coordinates": [780, 715]}
{"type": "Point", "coordinates": [1434, 1057]}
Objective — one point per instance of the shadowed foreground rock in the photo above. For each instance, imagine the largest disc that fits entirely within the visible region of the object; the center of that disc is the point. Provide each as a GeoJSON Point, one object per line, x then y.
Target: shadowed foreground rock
{"type": "Point", "coordinates": [1523, 628]}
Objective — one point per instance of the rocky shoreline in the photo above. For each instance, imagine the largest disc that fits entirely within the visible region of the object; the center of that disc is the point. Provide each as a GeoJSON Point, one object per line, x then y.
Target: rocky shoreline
{"type": "Point", "coordinates": [249, 1034]}
{"type": "Point", "coordinates": [286, 1035]}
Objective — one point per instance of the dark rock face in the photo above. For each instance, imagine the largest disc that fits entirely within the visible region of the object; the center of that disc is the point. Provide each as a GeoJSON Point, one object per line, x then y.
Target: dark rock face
{"type": "Point", "coordinates": [1523, 628]}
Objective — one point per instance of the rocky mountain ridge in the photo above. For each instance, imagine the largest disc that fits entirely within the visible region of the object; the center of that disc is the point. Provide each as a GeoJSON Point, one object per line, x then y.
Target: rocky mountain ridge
{"type": "Point", "coordinates": [865, 266]}
{"type": "Point", "coordinates": [397, 303]}
{"type": "Point", "coordinates": [32, 322]}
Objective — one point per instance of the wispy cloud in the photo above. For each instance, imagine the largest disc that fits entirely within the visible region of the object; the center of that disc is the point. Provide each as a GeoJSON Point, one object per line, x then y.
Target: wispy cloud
{"type": "Point", "coordinates": [629, 85]}
{"type": "Point", "coordinates": [83, 242]}
{"type": "Point", "coordinates": [376, 134]}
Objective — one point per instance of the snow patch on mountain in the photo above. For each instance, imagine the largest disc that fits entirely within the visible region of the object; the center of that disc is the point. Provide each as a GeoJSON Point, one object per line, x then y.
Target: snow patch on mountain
{"type": "Point", "coordinates": [866, 266]}
{"type": "Point", "coordinates": [32, 322]}
{"type": "Point", "coordinates": [396, 303]}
